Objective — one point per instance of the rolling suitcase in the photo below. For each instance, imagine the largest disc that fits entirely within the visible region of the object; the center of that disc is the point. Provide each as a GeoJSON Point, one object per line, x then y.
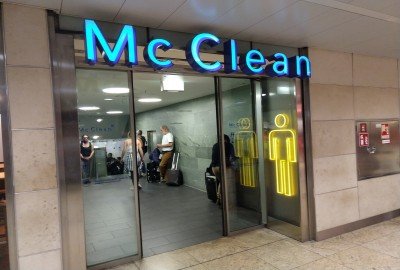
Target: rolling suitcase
{"type": "Point", "coordinates": [153, 176]}
{"type": "Point", "coordinates": [174, 176]}
{"type": "Point", "coordinates": [211, 187]}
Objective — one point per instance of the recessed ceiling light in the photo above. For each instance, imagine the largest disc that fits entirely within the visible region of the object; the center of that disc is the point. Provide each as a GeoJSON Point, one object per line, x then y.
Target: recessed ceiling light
{"type": "Point", "coordinates": [88, 108]}
{"type": "Point", "coordinates": [149, 99]}
{"type": "Point", "coordinates": [172, 83]}
{"type": "Point", "coordinates": [284, 90]}
{"type": "Point", "coordinates": [114, 112]}
{"type": "Point", "coordinates": [263, 95]}
{"type": "Point", "coordinates": [108, 99]}
{"type": "Point", "coordinates": [272, 94]}
{"type": "Point", "coordinates": [99, 120]}
{"type": "Point", "coordinates": [116, 90]}
{"type": "Point", "coordinates": [95, 137]}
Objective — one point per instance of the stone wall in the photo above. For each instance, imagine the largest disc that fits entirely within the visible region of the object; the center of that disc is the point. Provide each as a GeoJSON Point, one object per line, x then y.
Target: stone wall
{"type": "Point", "coordinates": [28, 74]}
{"type": "Point", "coordinates": [345, 88]}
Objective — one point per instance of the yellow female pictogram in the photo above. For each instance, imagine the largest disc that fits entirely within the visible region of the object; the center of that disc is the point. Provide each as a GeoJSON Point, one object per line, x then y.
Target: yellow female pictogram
{"type": "Point", "coordinates": [282, 150]}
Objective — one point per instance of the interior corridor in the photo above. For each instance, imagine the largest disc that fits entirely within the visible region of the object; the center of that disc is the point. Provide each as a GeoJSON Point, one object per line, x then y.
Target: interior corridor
{"type": "Point", "coordinates": [373, 247]}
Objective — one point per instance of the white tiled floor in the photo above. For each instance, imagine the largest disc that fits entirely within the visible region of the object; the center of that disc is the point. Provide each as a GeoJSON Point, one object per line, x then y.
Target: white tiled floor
{"type": "Point", "coordinates": [373, 247]}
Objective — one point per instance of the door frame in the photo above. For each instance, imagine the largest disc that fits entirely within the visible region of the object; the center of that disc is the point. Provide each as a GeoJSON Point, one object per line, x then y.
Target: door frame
{"type": "Point", "coordinates": [73, 230]}
{"type": "Point", "coordinates": [70, 188]}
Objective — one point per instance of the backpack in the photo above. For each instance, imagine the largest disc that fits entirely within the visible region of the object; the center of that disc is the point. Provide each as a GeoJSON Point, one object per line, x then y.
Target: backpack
{"type": "Point", "coordinates": [144, 143]}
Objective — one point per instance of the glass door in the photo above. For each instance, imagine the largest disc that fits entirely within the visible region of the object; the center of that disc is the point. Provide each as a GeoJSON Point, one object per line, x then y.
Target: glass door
{"type": "Point", "coordinates": [242, 187]}
{"type": "Point", "coordinates": [177, 114]}
{"type": "Point", "coordinates": [108, 163]}
{"type": "Point", "coordinates": [281, 154]}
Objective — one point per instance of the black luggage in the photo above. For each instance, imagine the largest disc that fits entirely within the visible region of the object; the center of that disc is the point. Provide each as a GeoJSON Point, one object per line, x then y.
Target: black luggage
{"type": "Point", "coordinates": [152, 174]}
{"type": "Point", "coordinates": [174, 176]}
{"type": "Point", "coordinates": [211, 187]}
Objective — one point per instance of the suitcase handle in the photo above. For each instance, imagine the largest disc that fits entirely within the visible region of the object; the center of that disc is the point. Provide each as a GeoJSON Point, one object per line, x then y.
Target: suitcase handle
{"type": "Point", "coordinates": [175, 161]}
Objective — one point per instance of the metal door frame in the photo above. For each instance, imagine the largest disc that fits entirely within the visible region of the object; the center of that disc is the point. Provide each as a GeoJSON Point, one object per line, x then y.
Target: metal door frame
{"type": "Point", "coordinates": [67, 135]}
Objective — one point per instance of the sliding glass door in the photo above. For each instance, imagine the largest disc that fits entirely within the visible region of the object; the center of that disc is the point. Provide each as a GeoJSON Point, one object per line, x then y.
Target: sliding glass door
{"type": "Point", "coordinates": [242, 188]}
{"type": "Point", "coordinates": [108, 160]}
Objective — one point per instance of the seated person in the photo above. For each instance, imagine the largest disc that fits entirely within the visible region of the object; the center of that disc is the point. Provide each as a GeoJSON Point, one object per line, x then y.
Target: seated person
{"type": "Point", "coordinates": [216, 161]}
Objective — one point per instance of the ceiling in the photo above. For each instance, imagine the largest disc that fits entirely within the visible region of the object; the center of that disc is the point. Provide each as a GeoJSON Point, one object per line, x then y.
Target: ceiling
{"type": "Point", "coordinates": [90, 84]}
{"type": "Point", "coordinates": [362, 26]}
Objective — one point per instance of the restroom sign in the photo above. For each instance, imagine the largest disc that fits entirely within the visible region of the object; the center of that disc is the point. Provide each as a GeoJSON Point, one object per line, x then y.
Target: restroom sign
{"type": "Point", "coordinates": [363, 127]}
{"type": "Point", "coordinates": [385, 133]}
{"type": "Point", "coordinates": [363, 139]}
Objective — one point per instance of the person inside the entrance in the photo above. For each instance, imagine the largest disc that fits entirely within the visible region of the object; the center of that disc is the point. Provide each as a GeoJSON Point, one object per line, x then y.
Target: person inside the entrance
{"type": "Point", "coordinates": [216, 163]}
{"type": "Point", "coordinates": [87, 153]}
{"type": "Point", "coordinates": [127, 151]}
{"type": "Point", "coordinates": [143, 141]}
{"type": "Point", "coordinates": [166, 147]}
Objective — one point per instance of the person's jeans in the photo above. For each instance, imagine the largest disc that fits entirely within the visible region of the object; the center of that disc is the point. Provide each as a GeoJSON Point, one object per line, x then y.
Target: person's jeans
{"type": "Point", "coordinates": [166, 157]}
{"type": "Point", "coordinates": [85, 169]}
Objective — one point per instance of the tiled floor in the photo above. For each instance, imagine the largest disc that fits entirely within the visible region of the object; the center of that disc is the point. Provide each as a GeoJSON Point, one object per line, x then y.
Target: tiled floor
{"type": "Point", "coordinates": [373, 247]}
{"type": "Point", "coordinates": [176, 217]}
{"type": "Point", "coordinates": [172, 218]}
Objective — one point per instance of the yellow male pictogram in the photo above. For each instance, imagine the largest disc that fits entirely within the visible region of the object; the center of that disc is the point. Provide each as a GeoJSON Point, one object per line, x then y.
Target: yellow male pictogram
{"type": "Point", "coordinates": [246, 150]}
{"type": "Point", "coordinates": [282, 150]}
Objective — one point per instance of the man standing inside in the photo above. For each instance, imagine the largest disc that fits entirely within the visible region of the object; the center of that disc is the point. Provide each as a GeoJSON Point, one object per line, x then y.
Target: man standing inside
{"type": "Point", "coordinates": [166, 147]}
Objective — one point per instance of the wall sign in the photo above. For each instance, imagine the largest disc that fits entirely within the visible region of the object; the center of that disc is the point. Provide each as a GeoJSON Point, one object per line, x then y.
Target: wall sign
{"type": "Point", "coordinates": [385, 133]}
{"type": "Point", "coordinates": [252, 63]}
{"type": "Point", "coordinates": [363, 139]}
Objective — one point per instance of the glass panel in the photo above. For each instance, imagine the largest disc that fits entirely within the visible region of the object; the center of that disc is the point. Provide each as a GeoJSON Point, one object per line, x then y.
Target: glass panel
{"type": "Point", "coordinates": [4, 257]}
{"type": "Point", "coordinates": [281, 152]}
{"type": "Point", "coordinates": [243, 190]}
{"type": "Point", "coordinates": [173, 217]}
{"type": "Point", "coordinates": [107, 161]}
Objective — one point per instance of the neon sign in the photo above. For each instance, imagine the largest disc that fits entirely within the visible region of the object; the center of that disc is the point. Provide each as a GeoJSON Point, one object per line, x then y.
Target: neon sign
{"type": "Point", "coordinates": [282, 150]}
{"type": "Point", "coordinates": [252, 63]}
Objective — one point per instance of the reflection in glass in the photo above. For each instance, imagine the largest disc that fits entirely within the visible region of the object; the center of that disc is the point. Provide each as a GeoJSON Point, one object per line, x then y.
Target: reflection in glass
{"type": "Point", "coordinates": [281, 154]}
{"type": "Point", "coordinates": [110, 219]}
{"type": "Point", "coordinates": [243, 190]}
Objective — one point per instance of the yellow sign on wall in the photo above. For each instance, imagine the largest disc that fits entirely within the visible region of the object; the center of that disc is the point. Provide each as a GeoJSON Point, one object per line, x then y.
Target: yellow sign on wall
{"type": "Point", "coordinates": [282, 150]}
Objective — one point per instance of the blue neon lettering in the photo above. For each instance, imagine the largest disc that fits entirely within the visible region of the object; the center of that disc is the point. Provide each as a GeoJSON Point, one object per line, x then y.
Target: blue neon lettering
{"type": "Point", "coordinates": [300, 67]}
{"type": "Point", "coordinates": [150, 51]}
{"type": "Point", "coordinates": [94, 38]}
{"type": "Point", "coordinates": [280, 67]}
{"type": "Point", "coordinates": [230, 56]}
{"type": "Point", "coordinates": [251, 63]}
{"type": "Point", "coordinates": [193, 53]}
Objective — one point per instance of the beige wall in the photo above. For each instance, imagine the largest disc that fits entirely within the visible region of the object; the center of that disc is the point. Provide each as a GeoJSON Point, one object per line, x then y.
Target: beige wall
{"type": "Point", "coordinates": [31, 107]}
{"type": "Point", "coordinates": [344, 88]}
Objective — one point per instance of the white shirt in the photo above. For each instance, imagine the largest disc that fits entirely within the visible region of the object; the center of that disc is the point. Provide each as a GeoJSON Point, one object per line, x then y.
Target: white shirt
{"type": "Point", "coordinates": [166, 139]}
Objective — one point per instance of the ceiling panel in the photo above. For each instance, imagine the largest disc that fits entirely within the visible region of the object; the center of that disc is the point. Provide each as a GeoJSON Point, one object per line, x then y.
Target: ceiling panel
{"type": "Point", "coordinates": [353, 32]}
{"type": "Point", "coordinates": [150, 13]}
{"type": "Point", "coordinates": [198, 15]}
{"type": "Point", "coordinates": [316, 25]}
{"type": "Point", "coordinates": [289, 17]}
{"type": "Point", "coordinates": [375, 5]}
{"type": "Point", "coordinates": [247, 14]}
{"type": "Point", "coordinates": [393, 10]}
{"type": "Point", "coordinates": [105, 10]}
{"type": "Point", "coordinates": [48, 4]}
